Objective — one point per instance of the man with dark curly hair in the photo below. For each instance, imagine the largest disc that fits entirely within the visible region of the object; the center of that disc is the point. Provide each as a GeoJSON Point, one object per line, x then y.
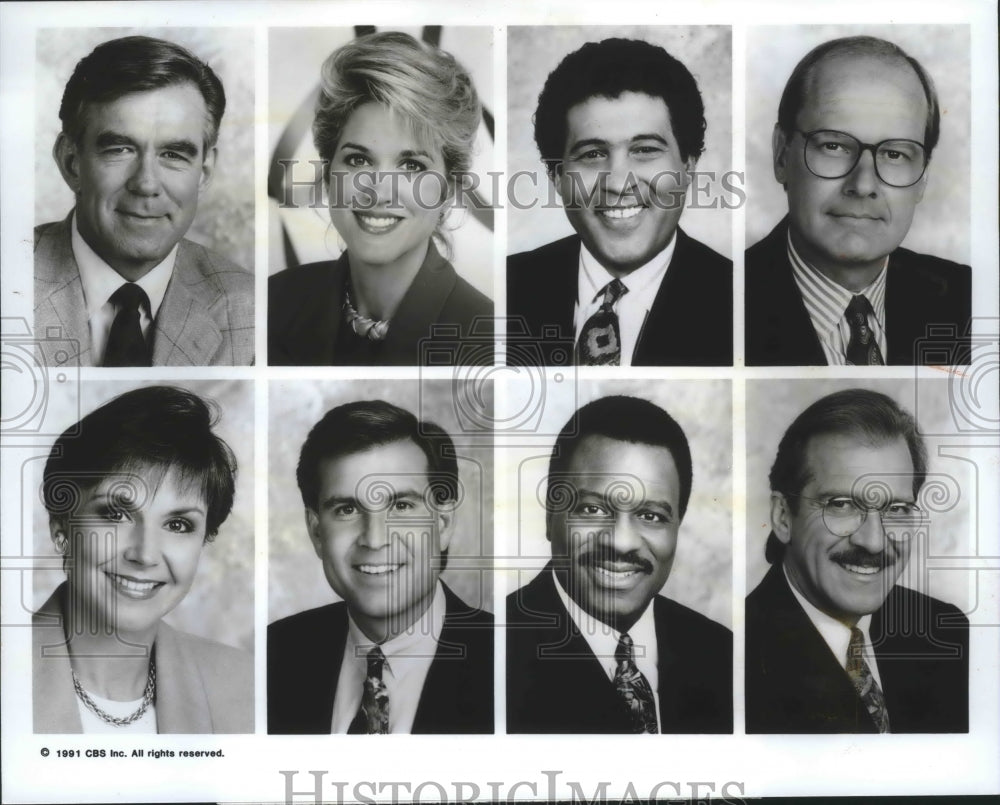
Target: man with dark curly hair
{"type": "Point", "coordinates": [620, 126]}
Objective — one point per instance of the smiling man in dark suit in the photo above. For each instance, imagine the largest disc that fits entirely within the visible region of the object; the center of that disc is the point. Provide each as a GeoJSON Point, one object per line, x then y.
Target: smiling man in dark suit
{"type": "Point", "coordinates": [857, 124]}
{"type": "Point", "coordinates": [591, 645]}
{"type": "Point", "coordinates": [620, 125]}
{"type": "Point", "coordinates": [116, 278]}
{"type": "Point", "coordinates": [833, 642]}
{"type": "Point", "coordinates": [401, 653]}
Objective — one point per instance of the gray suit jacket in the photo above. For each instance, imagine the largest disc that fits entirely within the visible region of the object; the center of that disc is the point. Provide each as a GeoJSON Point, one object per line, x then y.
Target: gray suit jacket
{"type": "Point", "coordinates": [206, 318]}
{"type": "Point", "coordinates": [201, 686]}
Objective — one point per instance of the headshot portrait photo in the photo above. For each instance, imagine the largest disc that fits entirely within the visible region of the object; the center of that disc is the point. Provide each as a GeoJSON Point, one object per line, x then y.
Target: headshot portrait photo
{"type": "Point", "coordinates": [534, 52]}
{"type": "Point", "coordinates": [174, 230]}
{"type": "Point", "coordinates": [145, 509]}
{"type": "Point", "coordinates": [819, 570]}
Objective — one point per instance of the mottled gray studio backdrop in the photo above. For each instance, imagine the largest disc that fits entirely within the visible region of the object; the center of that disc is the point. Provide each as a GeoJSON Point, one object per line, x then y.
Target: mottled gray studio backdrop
{"type": "Point", "coordinates": [220, 603]}
{"type": "Point", "coordinates": [702, 572]}
{"type": "Point", "coordinates": [225, 220]}
{"type": "Point", "coordinates": [295, 56]}
{"type": "Point", "coordinates": [295, 575]}
{"type": "Point", "coordinates": [941, 223]}
{"type": "Point", "coordinates": [534, 52]}
{"type": "Point", "coordinates": [952, 496]}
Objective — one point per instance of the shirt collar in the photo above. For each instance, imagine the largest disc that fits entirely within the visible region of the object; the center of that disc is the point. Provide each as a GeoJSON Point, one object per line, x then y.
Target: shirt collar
{"type": "Point", "coordinates": [825, 300]}
{"type": "Point", "coordinates": [835, 634]}
{"type": "Point", "coordinates": [417, 645]}
{"type": "Point", "coordinates": [100, 280]}
{"type": "Point", "coordinates": [603, 639]}
{"type": "Point", "coordinates": [594, 276]}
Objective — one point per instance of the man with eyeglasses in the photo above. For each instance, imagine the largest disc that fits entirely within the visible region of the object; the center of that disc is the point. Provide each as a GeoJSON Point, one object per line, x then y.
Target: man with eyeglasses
{"type": "Point", "coordinates": [857, 124]}
{"type": "Point", "coordinates": [833, 643]}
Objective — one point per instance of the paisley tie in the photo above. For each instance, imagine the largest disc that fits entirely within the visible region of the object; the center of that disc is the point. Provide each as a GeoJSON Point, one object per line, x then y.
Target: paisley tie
{"type": "Point", "coordinates": [634, 688]}
{"type": "Point", "coordinates": [864, 682]}
{"type": "Point", "coordinates": [863, 349]}
{"type": "Point", "coordinates": [373, 714]}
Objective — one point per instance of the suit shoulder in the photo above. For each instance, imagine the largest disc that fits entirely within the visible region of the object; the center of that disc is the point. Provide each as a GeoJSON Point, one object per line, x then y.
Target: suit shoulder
{"type": "Point", "coordinates": [707, 258]}
{"type": "Point", "coordinates": [221, 662]}
{"type": "Point", "coordinates": [300, 283]}
{"type": "Point", "coordinates": [307, 621]}
{"type": "Point", "coordinates": [684, 618]}
{"type": "Point", "coordinates": [472, 302]}
{"type": "Point", "coordinates": [916, 601]}
{"type": "Point", "coordinates": [44, 229]}
{"type": "Point", "coordinates": [215, 264]}
{"type": "Point", "coordinates": [944, 275]}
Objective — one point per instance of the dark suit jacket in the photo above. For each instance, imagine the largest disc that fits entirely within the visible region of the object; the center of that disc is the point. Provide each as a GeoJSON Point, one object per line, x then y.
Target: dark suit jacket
{"type": "Point", "coordinates": [206, 318]}
{"type": "Point", "coordinates": [794, 683]}
{"type": "Point", "coordinates": [555, 684]}
{"type": "Point", "coordinates": [689, 324]}
{"type": "Point", "coordinates": [304, 653]}
{"type": "Point", "coordinates": [304, 317]}
{"type": "Point", "coordinates": [920, 291]}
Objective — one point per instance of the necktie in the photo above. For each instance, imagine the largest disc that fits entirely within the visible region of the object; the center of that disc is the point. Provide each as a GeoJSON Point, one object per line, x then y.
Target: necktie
{"type": "Point", "coordinates": [862, 349]}
{"type": "Point", "coordinates": [373, 714]}
{"type": "Point", "coordinates": [126, 346]}
{"type": "Point", "coordinates": [600, 342]}
{"type": "Point", "coordinates": [864, 682]}
{"type": "Point", "coordinates": [634, 688]}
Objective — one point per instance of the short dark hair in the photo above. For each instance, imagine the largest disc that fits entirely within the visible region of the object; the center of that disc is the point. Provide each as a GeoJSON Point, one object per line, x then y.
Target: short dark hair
{"type": "Point", "coordinates": [625, 419]}
{"type": "Point", "coordinates": [359, 426]}
{"type": "Point", "coordinates": [794, 96]}
{"type": "Point", "coordinates": [146, 433]}
{"type": "Point", "coordinates": [607, 69]}
{"type": "Point", "coordinates": [869, 416]}
{"type": "Point", "coordinates": [138, 64]}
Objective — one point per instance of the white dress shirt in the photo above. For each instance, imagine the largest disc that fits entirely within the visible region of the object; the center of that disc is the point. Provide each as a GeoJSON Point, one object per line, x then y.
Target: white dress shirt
{"type": "Point", "coordinates": [835, 634]}
{"type": "Point", "coordinates": [408, 659]}
{"type": "Point", "coordinates": [603, 641]}
{"type": "Point", "coordinates": [633, 307]}
{"type": "Point", "coordinates": [100, 281]}
{"type": "Point", "coordinates": [827, 302]}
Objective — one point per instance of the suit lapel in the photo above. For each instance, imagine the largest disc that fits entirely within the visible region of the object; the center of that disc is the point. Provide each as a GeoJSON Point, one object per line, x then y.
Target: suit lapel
{"type": "Point", "coordinates": [905, 322]}
{"type": "Point", "coordinates": [559, 286]}
{"type": "Point", "coordinates": [59, 300]}
{"type": "Point", "coordinates": [181, 701]}
{"type": "Point", "coordinates": [184, 332]}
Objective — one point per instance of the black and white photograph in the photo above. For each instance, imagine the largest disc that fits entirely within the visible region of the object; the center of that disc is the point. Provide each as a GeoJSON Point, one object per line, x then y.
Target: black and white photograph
{"type": "Point", "coordinates": [854, 623]}
{"type": "Point", "coordinates": [632, 498]}
{"type": "Point", "coordinates": [615, 134]}
{"type": "Point", "coordinates": [858, 180]}
{"type": "Point", "coordinates": [383, 504]}
{"type": "Point", "coordinates": [144, 237]}
{"type": "Point", "coordinates": [143, 622]}
{"type": "Point", "coordinates": [380, 243]}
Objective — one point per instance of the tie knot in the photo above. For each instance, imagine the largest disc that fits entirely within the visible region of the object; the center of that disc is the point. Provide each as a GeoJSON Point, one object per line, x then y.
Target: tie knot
{"type": "Point", "coordinates": [376, 659]}
{"type": "Point", "coordinates": [130, 297]}
{"type": "Point", "coordinates": [856, 647]}
{"type": "Point", "coordinates": [858, 309]}
{"type": "Point", "coordinates": [624, 652]}
{"type": "Point", "coordinates": [613, 291]}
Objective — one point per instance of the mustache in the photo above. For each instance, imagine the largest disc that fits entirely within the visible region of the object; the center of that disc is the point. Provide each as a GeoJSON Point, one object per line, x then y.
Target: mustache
{"type": "Point", "coordinates": [862, 558]}
{"type": "Point", "coordinates": [608, 554]}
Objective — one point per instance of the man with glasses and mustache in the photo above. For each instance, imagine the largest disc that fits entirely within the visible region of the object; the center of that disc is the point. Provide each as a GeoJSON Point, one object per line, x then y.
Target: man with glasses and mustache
{"type": "Point", "coordinates": [857, 124]}
{"type": "Point", "coordinates": [591, 645]}
{"type": "Point", "coordinates": [833, 643]}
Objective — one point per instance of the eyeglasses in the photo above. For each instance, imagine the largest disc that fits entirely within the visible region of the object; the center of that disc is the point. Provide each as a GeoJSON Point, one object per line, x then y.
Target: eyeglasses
{"type": "Point", "coordinates": [834, 154]}
{"type": "Point", "coordinates": [844, 516]}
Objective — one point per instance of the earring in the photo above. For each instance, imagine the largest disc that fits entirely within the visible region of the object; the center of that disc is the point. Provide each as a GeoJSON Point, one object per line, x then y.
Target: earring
{"type": "Point", "coordinates": [61, 543]}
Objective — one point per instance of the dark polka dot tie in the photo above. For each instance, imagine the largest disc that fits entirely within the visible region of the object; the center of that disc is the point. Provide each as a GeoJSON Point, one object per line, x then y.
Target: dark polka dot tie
{"type": "Point", "coordinates": [373, 714]}
{"type": "Point", "coordinates": [634, 689]}
{"type": "Point", "coordinates": [126, 346]}
{"type": "Point", "coordinates": [863, 348]}
{"type": "Point", "coordinates": [600, 340]}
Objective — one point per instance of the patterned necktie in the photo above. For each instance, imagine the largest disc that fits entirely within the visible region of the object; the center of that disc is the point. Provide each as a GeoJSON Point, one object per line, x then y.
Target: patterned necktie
{"type": "Point", "coordinates": [373, 714]}
{"type": "Point", "coordinates": [863, 348]}
{"type": "Point", "coordinates": [126, 346]}
{"type": "Point", "coordinates": [864, 682]}
{"type": "Point", "coordinates": [600, 341]}
{"type": "Point", "coordinates": [634, 689]}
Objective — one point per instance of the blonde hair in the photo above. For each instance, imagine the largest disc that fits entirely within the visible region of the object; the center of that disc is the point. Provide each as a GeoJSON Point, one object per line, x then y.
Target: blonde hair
{"type": "Point", "coordinates": [423, 84]}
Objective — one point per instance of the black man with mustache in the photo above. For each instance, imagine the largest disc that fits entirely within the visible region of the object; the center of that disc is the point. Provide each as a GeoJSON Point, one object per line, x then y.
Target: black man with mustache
{"type": "Point", "coordinates": [833, 643]}
{"type": "Point", "coordinates": [591, 645]}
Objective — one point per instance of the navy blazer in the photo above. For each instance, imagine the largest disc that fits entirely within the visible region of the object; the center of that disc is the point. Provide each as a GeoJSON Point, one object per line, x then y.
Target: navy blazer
{"type": "Point", "coordinates": [795, 684]}
{"type": "Point", "coordinates": [555, 684]}
{"type": "Point", "coordinates": [452, 318]}
{"type": "Point", "coordinates": [689, 324]}
{"type": "Point", "coordinates": [304, 653]}
{"type": "Point", "coordinates": [921, 292]}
